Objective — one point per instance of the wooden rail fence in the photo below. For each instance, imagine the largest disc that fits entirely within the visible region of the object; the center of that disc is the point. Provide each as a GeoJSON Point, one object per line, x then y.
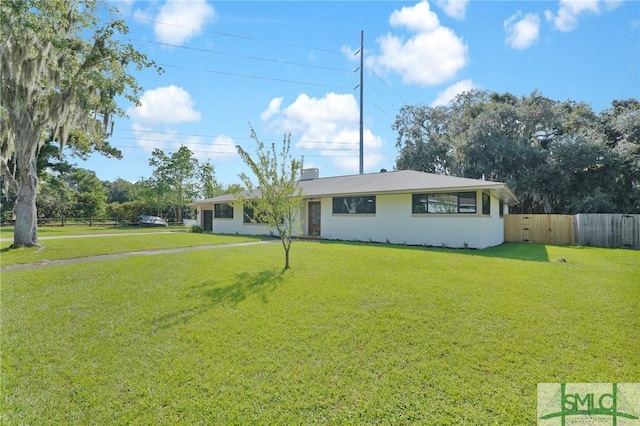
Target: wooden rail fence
{"type": "Point", "coordinates": [600, 230]}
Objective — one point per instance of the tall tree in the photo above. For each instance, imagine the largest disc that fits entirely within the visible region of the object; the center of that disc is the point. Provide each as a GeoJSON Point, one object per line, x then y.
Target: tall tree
{"type": "Point", "coordinates": [55, 197]}
{"type": "Point", "coordinates": [57, 81]}
{"type": "Point", "coordinates": [276, 198]}
{"type": "Point", "coordinates": [621, 127]}
{"type": "Point", "coordinates": [91, 196]}
{"type": "Point", "coordinates": [121, 191]}
{"type": "Point", "coordinates": [559, 157]}
{"type": "Point", "coordinates": [208, 186]}
{"type": "Point", "coordinates": [179, 178]}
{"type": "Point", "coordinates": [424, 140]}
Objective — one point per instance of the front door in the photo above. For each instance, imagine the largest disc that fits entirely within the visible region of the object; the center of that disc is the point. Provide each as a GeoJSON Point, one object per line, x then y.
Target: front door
{"type": "Point", "coordinates": [314, 218]}
{"type": "Point", "coordinates": [207, 220]}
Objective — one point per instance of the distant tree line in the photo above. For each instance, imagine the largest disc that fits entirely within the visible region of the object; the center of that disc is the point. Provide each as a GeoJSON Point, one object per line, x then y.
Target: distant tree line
{"type": "Point", "coordinates": [66, 190]}
{"type": "Point", "coordinates": [558, 157]}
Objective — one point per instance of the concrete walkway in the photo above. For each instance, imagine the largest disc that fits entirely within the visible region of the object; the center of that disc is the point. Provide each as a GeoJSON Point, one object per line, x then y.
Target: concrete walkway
{"type": "Point", "coordinates": [45, 264]}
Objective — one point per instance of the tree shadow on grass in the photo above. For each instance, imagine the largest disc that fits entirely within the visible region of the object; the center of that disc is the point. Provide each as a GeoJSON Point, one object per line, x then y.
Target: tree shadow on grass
{"type": "Point", "coordinates": [244, 286]}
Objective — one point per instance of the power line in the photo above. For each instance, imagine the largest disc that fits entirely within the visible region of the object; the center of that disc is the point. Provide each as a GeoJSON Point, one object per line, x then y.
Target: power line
{"type": "Point", "coordinates": [230, 153]}
{"type": "Point", "coordinates": [257, 58]}
{"type": "Point", "coordinates": [215, 136]}
{"type": "Point", "coordinates": [380, 78]}
{"type": "Point", "coordinates": [381, 110]}
{"type": "Point", "coordinates": [281, 80]}
{"type": "Point", "coordinates": [393, 92]}
{"type": "Point", "coordinates": [135, 18]}
{"type": "Point", "coordinates": [220, 144]}
{"type": "Point", "coordinates": [236, 55]}
{"type": "Point", "coordinates": [244, 37]}
{"type": "Point", "coordinates": [382, 96]}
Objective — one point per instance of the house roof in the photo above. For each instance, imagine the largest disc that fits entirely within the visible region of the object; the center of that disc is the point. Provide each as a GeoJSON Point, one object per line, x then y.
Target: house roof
{"type": "Point", "coordinates": [394, 182]}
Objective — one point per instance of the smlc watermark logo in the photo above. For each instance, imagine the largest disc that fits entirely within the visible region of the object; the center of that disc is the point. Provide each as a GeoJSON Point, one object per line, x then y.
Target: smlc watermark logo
{"type": "Point", "coordinates": [573, 404]}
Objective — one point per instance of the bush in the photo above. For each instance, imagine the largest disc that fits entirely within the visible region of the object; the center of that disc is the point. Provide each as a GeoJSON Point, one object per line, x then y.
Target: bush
{"type": "Point", "coordinates": [197, 229]}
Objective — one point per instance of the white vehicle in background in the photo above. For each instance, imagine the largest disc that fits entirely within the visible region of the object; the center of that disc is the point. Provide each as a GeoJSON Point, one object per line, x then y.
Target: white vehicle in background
{"type": "Point", "coordinates": [146, 220]}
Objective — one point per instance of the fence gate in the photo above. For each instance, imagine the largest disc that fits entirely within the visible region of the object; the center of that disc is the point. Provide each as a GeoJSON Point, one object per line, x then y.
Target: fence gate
{"type": "Point", "coordinates": [539, 228]}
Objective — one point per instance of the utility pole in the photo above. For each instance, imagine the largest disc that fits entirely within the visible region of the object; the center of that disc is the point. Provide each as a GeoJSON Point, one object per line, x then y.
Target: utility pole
{"type": "Point", "coordinates": [361, 97]}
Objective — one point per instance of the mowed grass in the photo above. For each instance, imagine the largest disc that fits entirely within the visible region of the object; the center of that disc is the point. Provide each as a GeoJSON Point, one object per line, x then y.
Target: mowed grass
{"type": "Point", "coordinates": [6, 232]}
{"type": "Point", "coordinates": [94, 245]}
{"type": "Point", "coordinates": [352, 334]}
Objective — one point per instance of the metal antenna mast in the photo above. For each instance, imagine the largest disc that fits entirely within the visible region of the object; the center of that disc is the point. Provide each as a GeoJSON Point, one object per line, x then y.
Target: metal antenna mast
{"type": "Point", "coordinates": [361, 96]}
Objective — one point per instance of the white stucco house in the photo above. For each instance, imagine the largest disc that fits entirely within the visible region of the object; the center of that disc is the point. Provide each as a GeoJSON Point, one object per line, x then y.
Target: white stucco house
{"type": "Point", "coordinates": [402, 207]}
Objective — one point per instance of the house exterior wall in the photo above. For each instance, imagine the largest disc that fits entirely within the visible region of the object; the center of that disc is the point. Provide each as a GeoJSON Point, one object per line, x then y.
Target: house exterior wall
{"type": "Point", "coordinates": [392, 222]}
{"type": "Point", "coordinates": [236, 224]}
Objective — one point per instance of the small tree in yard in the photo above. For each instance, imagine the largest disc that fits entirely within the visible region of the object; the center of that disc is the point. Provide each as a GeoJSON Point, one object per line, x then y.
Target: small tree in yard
{"type": "Point", "coordinates": [277, 197]}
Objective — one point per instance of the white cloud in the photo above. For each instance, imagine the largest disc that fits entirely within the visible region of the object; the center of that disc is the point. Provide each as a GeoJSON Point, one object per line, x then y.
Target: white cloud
{"type": "Point", "coordinates": [418, 18]}
{"type": "Point", "coordinates": [612, 4]}
{"type": "Point", "coordinates": [351, 53]}
{"type": "Point", "coordinates": [328, 126]}
{"type": "Point", "coordinates": [522, 31]}
{"type": "Point", "coordinates": [144, 15]}
{"type": "Point", "coordinates": [454, 8]}
{"type": "Point", "coordinates": [432, 56]}
{"type": "Point", "coordinates": [180, 20]}
{"type": "Point", "coordinates": [222, 147]}
{"type": "Point", "coordinates": [566, 19]}
{"type": "Point", "coordinates": [452, 91]}
{"type": "Point", "coordinates": [273, 109]}
{"type": "Point", "coordinates": [164, 105]}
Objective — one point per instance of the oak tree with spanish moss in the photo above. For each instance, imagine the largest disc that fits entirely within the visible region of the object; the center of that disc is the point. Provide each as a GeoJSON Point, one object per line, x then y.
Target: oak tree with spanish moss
{"type": "Point", "coordinates": [62, 68]}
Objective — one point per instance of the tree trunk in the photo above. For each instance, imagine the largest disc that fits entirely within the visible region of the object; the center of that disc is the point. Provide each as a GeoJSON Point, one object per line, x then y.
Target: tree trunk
{"type": "Point", "coordinates": [286, 244]}
{"type": "Point", "coordinates": [25, 233]}
{"type": "Point", "coordinates": [286, 259]}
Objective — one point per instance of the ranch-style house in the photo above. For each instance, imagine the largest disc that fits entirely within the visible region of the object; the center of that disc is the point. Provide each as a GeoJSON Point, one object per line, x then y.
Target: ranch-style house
{"type": "Point", "coordinates": [401, 207]}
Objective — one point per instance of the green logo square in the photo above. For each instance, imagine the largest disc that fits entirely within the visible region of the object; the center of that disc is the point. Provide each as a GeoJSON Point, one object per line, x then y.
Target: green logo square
{"type": "Point", "coordinates": [573, 404]}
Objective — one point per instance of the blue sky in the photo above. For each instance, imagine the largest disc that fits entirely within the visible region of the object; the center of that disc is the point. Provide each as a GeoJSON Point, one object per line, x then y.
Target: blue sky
{"type": "Point", "coordinates": [290, 67]}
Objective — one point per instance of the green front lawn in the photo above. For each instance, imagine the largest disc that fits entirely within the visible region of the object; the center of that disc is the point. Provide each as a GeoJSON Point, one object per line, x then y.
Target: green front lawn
{"type": "Point", "coordinates": [6, 232]}
{"type": "Point", "coordinates": [352, 334]}
{"type": "Point", "coordinates": [62, 248]}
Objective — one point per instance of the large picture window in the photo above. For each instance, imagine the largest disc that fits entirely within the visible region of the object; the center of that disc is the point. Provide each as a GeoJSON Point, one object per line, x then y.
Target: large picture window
{"type": "Point", "coordinates": [249, 215]}
{"type": "Point", "coordinates": [453, 202]}
{"type": "Point", "coordinates": [354, 205]}
{"type": "Point", "coordinates": [223, 211]}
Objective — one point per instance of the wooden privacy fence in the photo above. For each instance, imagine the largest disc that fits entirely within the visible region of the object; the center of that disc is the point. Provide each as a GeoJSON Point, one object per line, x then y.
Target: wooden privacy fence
{"type": "Point", "coordinates": [608, 230]}
{"type": "Point", "coordinates": [587, 229]}
{"type": "Point", "coordinates": [539, 228]}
